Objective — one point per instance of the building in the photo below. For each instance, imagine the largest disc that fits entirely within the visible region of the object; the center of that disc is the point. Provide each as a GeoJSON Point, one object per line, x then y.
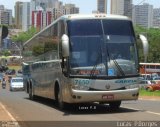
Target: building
{"type": "Point", "coordinates": [40, 13]}
{"type": "Point", "coordinates": [71, 9]}
{"type": "Point", "coordinates": [143, 15]}
{"type": "Point", "coordinates": [60, 9]}
{"type": "Point", "coordinates": [121, 7]}
{"type": "Point", "coordinates": [156, 18]}
{"type": "Point", "coordinates": [5, 16]}
{"type": "Point", "coordinates": [128, 6]}
{"type": "Point", "coordinates": [44, 3]}
{"type": "Point", "coordinates": [1, 7]}
{"type": "Point", "coordinates": [18, 14]}
{"type": "Point", "coordinates": [41, 19]}
{"type": "Point", "coordinates": [22, 15]}
{"type": "Point", "coordinates": [26, 16]}
{"type": "Point", "coordinates": [102, 6]}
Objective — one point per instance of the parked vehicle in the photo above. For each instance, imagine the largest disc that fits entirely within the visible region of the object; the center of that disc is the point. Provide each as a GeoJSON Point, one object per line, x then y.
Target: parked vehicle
{"type": "Point", "coordinates": [144, 83]}
{"type": "Point", "coordinates": [19, 73]}
{"type": "Point", "coordinates": [153, 87]}
{"type": "Point", "coordinates": [156, 79]}
{"type": "Point", "coordinates": [10, 72]}
{"type": "Point", "coordinates": [16, 83]}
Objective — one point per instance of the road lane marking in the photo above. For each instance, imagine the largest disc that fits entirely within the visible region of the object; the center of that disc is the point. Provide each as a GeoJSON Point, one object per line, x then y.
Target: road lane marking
{"type": "Point", "coordinates": [145, 99]}
{"type": "Point", "coordinates": [8, 113]}
{"type": "Point", "coordinates": [13, 122]}
{"type": "Point", "coordinates": [155, 113]}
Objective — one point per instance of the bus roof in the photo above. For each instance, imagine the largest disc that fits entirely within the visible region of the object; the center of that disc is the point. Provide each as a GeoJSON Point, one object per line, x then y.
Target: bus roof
{"type": "Point", "coordinates": [94, 16]}
{"type": "Point", "coordinates": [83, 16]}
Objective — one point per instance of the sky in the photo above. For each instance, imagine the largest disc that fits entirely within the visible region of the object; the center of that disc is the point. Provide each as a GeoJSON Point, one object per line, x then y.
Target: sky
{"type": "Point", "coordinates": [86, 6]}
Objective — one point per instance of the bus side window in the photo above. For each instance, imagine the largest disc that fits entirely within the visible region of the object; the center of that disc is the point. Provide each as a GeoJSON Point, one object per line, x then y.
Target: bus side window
{"type": "Point", "coordinates": [61, 32]}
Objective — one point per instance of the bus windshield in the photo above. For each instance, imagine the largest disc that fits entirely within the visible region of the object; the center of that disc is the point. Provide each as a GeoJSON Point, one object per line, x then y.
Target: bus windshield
{"type": "Point", "coordinates": [102, 47]}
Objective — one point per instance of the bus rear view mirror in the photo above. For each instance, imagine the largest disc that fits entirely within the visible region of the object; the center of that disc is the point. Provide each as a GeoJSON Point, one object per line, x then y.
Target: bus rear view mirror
{"type": "Point", "coordinates": [145, 45]}
{"type": "Point", "coordinates": [65, 45]}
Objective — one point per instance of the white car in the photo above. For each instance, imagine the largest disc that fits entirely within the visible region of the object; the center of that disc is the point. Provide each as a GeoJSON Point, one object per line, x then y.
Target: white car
{"type": "Point", "coordinates": [16, 84]}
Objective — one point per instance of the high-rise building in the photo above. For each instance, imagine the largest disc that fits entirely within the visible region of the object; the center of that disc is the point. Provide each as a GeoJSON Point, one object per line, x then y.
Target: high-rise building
{"type": "Point", "coordinates": [60, 9]}
{"type": "Point", "coordinates": [102, 6]}
{"type": "Point", "coordinates": [41, 19]}
{"type": "Point", "coordinates": [26, 16]}
{"type": "Point", "coordinates": [18, 14]}
{"type": "Point", "coordinates": [71, 9]}
{"type": "Point", "coordinates": [45, 3]}
{"type": "Point", "coordinates": [1, 7]}
{"type": "Point", "coordinates": [40, 13]}
{"type": "Point", "coordinates": [143, 15]}
{"type": "Point", "coordinates": [5, 16]}
{"type": "Point", "coordinates": [22, 15]}
{"type": "Point", "coordinates": [156, 18]}
{"type": "Point", "coordinates": [121, 7]}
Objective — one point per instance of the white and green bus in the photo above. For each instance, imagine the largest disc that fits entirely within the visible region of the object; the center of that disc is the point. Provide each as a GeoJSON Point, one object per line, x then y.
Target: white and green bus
{"type": "Point", "coordinates": [84, 58]}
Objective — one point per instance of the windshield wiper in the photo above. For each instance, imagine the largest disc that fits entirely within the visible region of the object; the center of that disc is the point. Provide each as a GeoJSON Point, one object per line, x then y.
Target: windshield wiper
{"type": "Point", "coordinates": [119, 67]}
{"type": "Point", "coordinates": [114, 61]}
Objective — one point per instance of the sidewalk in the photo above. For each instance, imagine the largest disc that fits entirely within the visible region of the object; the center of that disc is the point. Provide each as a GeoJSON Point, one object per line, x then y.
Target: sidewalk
{"type": "Point", "coordinates": [149, 98]}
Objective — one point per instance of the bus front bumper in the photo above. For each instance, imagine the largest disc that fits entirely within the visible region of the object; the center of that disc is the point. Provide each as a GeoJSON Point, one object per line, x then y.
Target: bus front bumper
{"type": "Point", "coordinates": [79, 96]}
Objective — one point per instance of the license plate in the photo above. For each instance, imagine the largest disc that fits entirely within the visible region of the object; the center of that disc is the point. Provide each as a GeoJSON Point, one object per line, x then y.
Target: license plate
{"type": "Point", "coordinates": [108, 97]}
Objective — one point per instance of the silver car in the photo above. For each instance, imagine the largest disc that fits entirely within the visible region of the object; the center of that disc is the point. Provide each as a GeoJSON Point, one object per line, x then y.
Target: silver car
{"type": "Point", "coordinates": [16, 84]}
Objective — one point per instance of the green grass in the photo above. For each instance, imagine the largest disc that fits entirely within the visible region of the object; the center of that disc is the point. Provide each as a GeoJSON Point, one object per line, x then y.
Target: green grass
{"type": "Point", "coordinates": [143, 92]}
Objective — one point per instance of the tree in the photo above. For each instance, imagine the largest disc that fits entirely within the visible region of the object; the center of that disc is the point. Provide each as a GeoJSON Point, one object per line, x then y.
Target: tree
{"type": "Point", "coordinates": [24, 36]}
{"type": "Point", "coordinates": [6, 53]}
{"type": "Point", "coordinates": [153, 36]}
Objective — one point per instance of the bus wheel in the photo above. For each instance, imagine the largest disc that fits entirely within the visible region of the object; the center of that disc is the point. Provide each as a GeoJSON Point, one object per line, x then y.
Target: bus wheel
{"type": "Point", "coordinates": [31, 95]}
{"type": "Point", "coordinates": [59, 99]}
{"type": "Point", "coordinates": [115, 105]}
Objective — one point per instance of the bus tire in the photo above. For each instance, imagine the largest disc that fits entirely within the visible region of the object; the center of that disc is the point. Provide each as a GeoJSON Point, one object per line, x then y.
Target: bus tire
{"type": "Point", "coordinates": [115, 105]}
{"type": "Point", "coordinates": [59, 99]}
{"type": "Point", "coordinates": [31, 94]}
{"type": "Point", "coordinates": [27, 87]}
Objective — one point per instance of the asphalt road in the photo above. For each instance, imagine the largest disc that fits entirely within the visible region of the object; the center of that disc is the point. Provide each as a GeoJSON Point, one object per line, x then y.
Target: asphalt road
{"type": "Point", "coordinates": [44, 112]}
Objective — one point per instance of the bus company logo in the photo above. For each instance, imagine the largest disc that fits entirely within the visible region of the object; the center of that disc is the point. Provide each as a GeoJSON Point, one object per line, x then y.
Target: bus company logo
{"type": "Point", "coordinates": [123, 81]}
{"type": "Point", "coordinates": [107, 86]}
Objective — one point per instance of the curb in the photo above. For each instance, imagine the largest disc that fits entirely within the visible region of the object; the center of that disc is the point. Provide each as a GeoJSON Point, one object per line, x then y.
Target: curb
{"type": "Point", "coordinates": [153, 98]}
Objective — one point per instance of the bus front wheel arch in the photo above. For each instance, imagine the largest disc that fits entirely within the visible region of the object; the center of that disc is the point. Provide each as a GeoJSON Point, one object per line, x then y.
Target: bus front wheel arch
{"type": "Point", "coordinates": [27, 88]}
{"type": "Point", "coordinates": [59, 97]}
